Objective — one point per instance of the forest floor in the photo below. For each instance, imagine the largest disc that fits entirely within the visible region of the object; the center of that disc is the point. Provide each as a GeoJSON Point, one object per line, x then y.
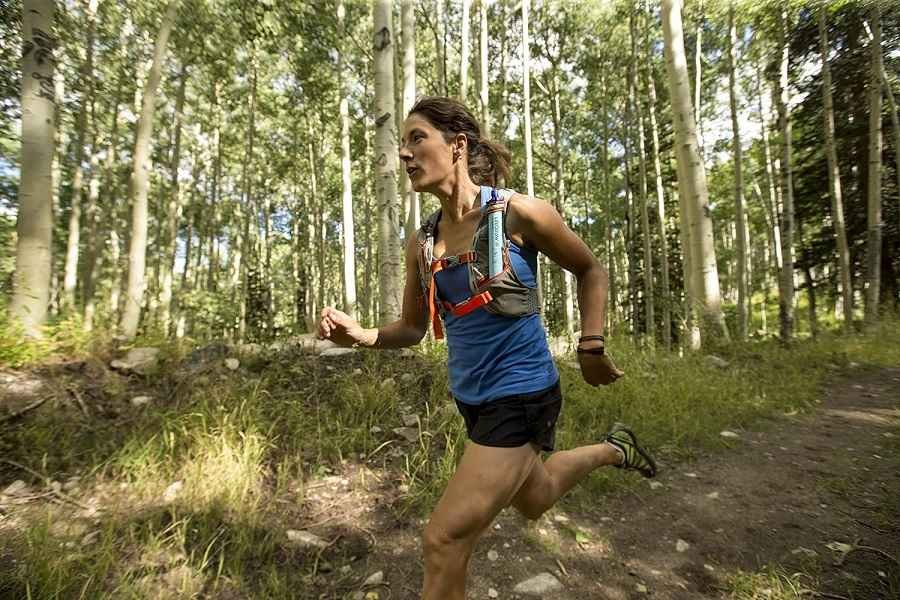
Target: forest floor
{"type": "Point", "coordinates": [793, 505]}
{"type": "Point", "coordinates": [801, 507]}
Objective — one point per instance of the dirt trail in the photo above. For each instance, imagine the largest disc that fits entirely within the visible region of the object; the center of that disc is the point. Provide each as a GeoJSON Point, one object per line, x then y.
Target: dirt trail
{"type": "Point", "coordinates": [777, 497]}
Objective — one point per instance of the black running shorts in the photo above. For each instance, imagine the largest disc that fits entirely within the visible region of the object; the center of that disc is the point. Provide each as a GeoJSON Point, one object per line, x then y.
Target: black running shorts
{"type": "Point", "coordinates": [514, 421]}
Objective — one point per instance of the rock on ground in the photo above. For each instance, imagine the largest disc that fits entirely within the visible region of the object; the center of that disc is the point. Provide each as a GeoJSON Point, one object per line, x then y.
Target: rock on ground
{"type": "Point", "coordinates": [539, 585]}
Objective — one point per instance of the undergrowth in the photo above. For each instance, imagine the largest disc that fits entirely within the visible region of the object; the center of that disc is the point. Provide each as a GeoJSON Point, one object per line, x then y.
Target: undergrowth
{"type": "Point", "coordinates": [244, 447]}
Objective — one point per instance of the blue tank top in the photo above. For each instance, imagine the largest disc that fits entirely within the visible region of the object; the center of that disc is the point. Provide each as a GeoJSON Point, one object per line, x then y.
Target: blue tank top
{"type": "Point", "coordinates": [492, 356]}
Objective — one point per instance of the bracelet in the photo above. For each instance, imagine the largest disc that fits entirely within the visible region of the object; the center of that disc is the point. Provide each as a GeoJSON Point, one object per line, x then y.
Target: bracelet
{"type": "Point", "coordinates": [590, 338]}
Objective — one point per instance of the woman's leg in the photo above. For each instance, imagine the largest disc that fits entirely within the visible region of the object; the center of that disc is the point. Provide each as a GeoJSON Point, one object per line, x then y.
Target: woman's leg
{"type": "Point", "coordinates": [484, 483]}
{"type": "Point", "coordinates": [551, 479]}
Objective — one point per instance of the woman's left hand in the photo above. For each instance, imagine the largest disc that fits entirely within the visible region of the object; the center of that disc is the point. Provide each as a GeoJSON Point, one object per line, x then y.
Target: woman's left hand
{"type": "Point", "coordinates": [598, 369]}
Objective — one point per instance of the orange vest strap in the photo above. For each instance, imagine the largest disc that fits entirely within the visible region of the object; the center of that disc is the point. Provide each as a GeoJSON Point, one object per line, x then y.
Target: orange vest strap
{"type": "Point", "coordinates": [467, 306]}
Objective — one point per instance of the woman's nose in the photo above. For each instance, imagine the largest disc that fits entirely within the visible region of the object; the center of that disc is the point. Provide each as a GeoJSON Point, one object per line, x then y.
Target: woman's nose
{"type": "Point", "coordinates": [405, 154]}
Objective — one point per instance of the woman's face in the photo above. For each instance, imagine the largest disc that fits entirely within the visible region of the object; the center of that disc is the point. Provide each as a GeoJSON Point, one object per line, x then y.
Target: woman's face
{"type": "Point", "coordinates": [427, 157]}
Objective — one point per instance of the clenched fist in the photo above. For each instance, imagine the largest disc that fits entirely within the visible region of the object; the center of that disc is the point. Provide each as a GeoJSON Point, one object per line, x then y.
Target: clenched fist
{"type": "Point", "coordinates": [342, 329]}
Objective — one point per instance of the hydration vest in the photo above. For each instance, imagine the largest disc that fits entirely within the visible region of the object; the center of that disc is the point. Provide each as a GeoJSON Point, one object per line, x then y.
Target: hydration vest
{"type": "Point", "coordinates": [503, 294]}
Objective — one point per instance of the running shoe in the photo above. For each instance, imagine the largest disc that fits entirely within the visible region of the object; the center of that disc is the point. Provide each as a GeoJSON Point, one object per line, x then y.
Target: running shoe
{"type": "Point", "coordinates": [635, 458]}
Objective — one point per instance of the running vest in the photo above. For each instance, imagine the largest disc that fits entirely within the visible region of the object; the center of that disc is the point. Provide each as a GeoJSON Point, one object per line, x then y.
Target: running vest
{"type": "Point", "coordinates": [504, 294]}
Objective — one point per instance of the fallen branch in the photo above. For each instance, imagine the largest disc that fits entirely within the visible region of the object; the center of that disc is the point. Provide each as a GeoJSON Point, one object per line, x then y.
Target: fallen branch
{"type": "Point", "coordinates": [79, 401]}
{"type": "Point", "coordinates": [48, 482]}
{"type": "Point", "coordinates": [15, 415]}
{"type": "Point", "coordinates": [321, 551]}
{"type": "Point", "coordinates": [881, 553]}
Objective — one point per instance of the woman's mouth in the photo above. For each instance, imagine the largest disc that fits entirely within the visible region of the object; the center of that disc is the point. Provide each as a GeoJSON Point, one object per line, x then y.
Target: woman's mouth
{"type": "Point", "coordinates": [411, 170]}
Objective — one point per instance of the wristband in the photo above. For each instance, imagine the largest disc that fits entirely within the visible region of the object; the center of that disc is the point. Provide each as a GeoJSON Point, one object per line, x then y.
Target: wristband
{"type": "Point", "coordinates": [590, 338]}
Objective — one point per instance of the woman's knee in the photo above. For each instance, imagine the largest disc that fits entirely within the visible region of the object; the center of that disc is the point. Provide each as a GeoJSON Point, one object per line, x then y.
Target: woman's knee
{"type": "Point", "coordinates": [437, 543]}
{"type": "Point", "coordinates": [531, 510]}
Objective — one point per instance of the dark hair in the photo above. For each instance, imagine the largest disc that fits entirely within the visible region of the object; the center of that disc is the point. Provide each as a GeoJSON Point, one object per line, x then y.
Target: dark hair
{"type": "Point", "coordinates": [488, 161]}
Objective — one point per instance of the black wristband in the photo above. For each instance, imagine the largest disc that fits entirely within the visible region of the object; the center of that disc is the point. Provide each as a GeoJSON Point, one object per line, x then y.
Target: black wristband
{"type": "Point", "coordinates": [598, 351]}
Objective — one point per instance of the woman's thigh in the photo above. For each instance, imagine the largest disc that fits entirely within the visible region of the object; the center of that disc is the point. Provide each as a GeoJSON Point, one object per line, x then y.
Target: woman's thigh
{"type": "Point", "coordinates": [485, 482]}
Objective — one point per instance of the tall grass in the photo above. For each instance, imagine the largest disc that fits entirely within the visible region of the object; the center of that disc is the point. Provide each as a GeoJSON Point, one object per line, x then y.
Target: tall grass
{"type": "Point", "coordinates": [244, 445]}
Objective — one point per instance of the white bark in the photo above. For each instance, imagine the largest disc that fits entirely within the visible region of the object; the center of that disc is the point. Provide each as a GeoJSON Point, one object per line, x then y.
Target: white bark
{"type": "Point", "coordinates": [526, 98]}
{"type": "Point", "coordinates": [173, 211]}
{"type": "Point", "coordinates": [348, 233]}
{"type": "Point", "coordinates": [464, 53]}
{"type": "Point", "coordinates": [140, 182]}
{"type": "Point", "coordinates": [740, 223]}
{"type": "Point", "coordinates": [483, 78]}
{"type": "Point", "coordinates": [389, 255]}
{"type": "Point", "coordinates": [786, 279]}
{"type": "Point", "coordinates": [834, 178]}
{"type": "Point", "coordinates": [34, 222]}
{"type": "Point", "coordinates": [660, 198]}
{"type": "Point", "coordinates": [874, 237]}
{"type": "Point", "coordinates": [70, 278]}
{"type": "Point", "coordinates": [649, 312]}
{"type": "Point", "coordinates": [705, 274]}
{"type": "Point", "coordinates": [411, 198]}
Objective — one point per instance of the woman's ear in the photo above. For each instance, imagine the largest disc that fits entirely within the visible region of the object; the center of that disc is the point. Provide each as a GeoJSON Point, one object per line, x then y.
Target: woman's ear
{"type": "Point", "coordinates": [460, 146]}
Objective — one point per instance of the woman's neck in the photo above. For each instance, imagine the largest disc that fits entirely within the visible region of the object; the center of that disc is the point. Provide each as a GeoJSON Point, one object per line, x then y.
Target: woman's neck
{"type": "Point", "coordinates": [457, 198]}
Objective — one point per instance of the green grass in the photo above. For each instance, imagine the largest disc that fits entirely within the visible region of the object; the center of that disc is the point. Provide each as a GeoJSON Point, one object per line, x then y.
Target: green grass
{"type": "Point", "coordinates": [770, 584]}
{"type": "Point", "coordinates": [247, 445]}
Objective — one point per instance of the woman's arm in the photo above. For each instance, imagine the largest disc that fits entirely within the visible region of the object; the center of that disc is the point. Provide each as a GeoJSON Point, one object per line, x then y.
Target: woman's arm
{"type": "Point", "coordinates": [407, 331]}
{"type": "Point", "coordinates": [541, 226]}
{"type": "Point", "coordinates": [538, 224]}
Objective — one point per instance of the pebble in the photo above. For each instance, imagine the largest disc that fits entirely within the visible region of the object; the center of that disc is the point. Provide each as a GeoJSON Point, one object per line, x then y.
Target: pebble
{"type": "Point", "coordinates": [492, 593]}
{"type": "Point", "coordinates": [376, 578]}
{"type": "Point", "coordinates": [729, 434]}
{"type": "Point", "coordinates": [140, 400]}
{"type": "Point", "coordinates": [539, 585]}
{"type": "Point", "coordinates": [682, 546]}
{"type": "Point", "coordinates": [305, 538]}
{"type": "Point", "coordinates": [492, 555]}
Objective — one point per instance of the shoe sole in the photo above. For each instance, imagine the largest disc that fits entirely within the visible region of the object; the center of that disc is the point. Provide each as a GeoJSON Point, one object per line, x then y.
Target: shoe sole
{"type": "Point", "coordinates": [644, 454]}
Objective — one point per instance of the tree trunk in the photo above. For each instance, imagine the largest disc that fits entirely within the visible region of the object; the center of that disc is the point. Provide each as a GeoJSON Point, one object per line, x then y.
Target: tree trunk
{"type": "Point", "coordinates": [34, 223]}
{"type": "Point", "coordinates": [649, 312]}
{"type": "Point", "coordinates": [740, 223]}
{"type": "Point", "coordinates": [440, 41]}
{"type": "Point", "coordinates": [698, 72]}
{"type": "Point", "coordinates": [241, 291]}
{"type": "Point", "coordinates": [411, 198]}
{"type": "Point", "coordinates": [140, 182]}
{"type": "Point", "coordinates": [464, 53]}
{"type": "Point", "coordinates": [389, 255]}
{"type": "Point", "coordinates": [705, 274]}
{"type": "Point", "coordinates": [834, 178]}
{"type": "Point", "coordinates": [895, 125]}
{"type": "Point", "coordinates": [483, 78]}
{"type": "Point", "coordinates": [87, 97]}
{"type": "Point", "coordinates": [173, 211]}
{"type": "Point", "coordinates": [786, 279]}
{"type": "Point", "coordinates": [811, 298]}
{"type": "Point", "coordinates": [660, 195]}
{"type": "Point", "coordinates": [606, 193]}
{"type": "Point", "coordinates": [564, 277]}
{"type": "Point", "coordinates": [348, 233]}
{"type": "Point", "coordinates": [873, 239]}
{"type": "Point", "coordinates": [526, 99]}
{"type": "Point", "coordinates": [504, 96]}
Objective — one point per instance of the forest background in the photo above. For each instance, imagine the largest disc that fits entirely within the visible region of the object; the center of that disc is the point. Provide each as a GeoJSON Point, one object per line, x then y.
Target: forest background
{"type": "Point", "coordinates": [270, 185]}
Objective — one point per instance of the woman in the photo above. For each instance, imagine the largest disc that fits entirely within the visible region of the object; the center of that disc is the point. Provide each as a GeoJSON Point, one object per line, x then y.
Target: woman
{"type": "Point", "coordinates": [502, 375]}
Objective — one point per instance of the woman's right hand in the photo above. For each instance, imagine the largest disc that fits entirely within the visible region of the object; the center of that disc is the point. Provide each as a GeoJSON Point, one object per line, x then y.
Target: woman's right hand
{"type": "Point", "coordinates": [341, 328]}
